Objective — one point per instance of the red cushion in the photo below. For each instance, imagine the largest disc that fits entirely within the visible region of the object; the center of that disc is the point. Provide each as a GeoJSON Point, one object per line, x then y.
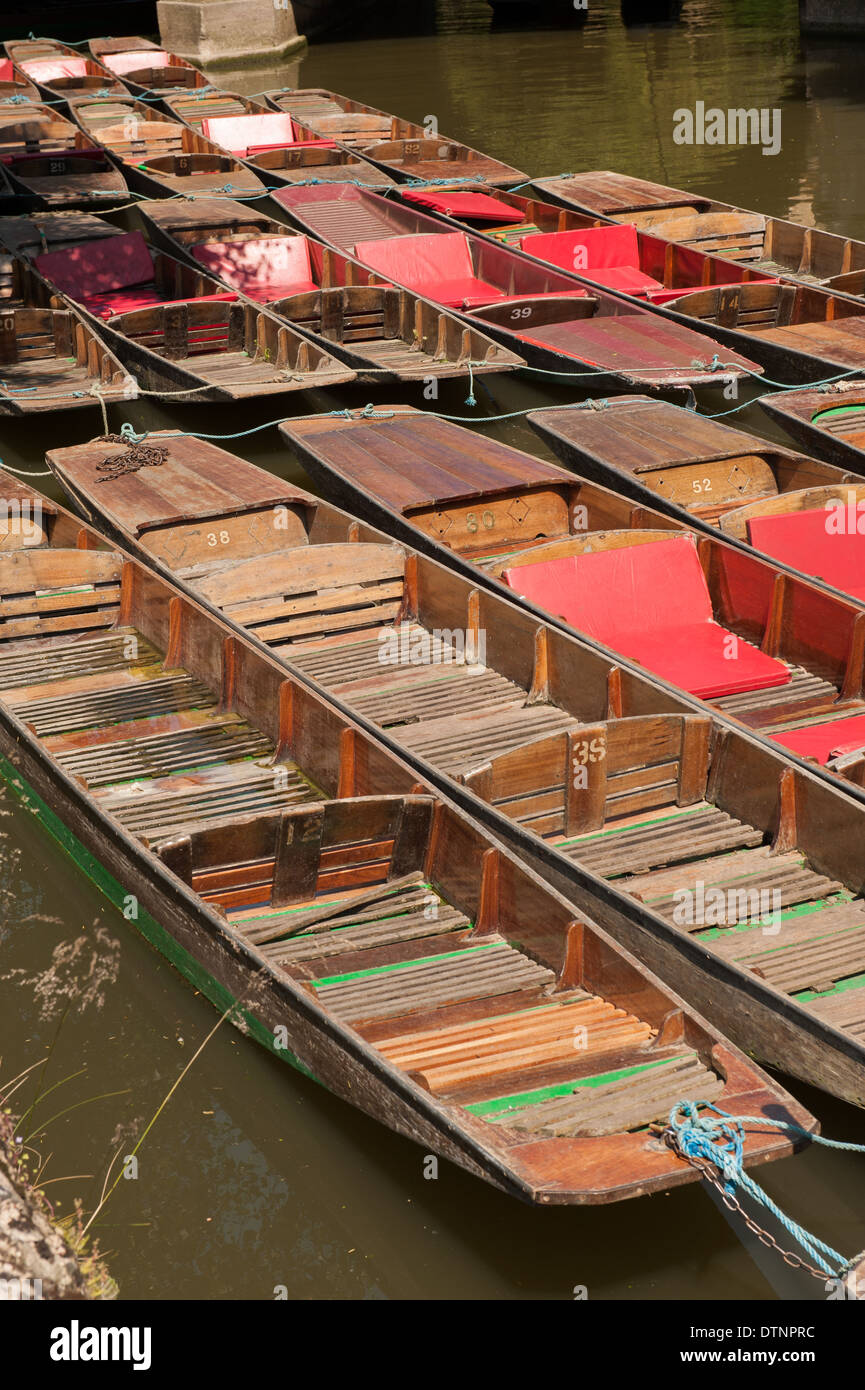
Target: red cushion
{"type": "Point", "coordinates": [438, 265]}
{"type": "Point", "coordinates": [588, 248]}
{"type": "Point", "coordinates": [825, 741]}
{"type": "Point", "coordinates": [111, 263]}
{"type": "Point", "coordinates": [650, 602]}
{"type": "Point", "coordinates": [47, 69]}
{"type": "Point", "coordinates": [626, 279]}
{"type": "Point", "coordinates": [137, 61]}
{"type": "Point", "coordinates": [7, 70]}
{"type": "Point", "coordinates": [274, 130]}
{"type": "Point", "coordinates": [468, 207]}
{"type": "Point", "coordinates": [804, 540]}
{"type": "Point", "coordinates": [143, 297]}
{"type": "Point", "coordinates": [265, 268]}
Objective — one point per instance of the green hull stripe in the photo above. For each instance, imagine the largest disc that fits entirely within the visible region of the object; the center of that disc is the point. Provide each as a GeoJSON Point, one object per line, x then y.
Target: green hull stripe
{"type": "Point", "coordinates": [835, 411]}
{"type": "Point", "coordinates": [149, 928]}
{"type": "Point", "coordinates": [791, 914]}
{"type": "Point", "coordinates": [854, 982]}
{"type": "Point", "coordinates": [401, 965]}
{"type": "Point", "coordinates": [494, 1107]}
{"type": "Point", "coordinates": [637, 825]}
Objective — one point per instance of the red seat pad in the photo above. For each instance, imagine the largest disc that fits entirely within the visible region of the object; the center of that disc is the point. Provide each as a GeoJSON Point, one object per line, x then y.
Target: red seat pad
{"type": "Point", "coordinates": [143, 297]}
{"type": "Point", "coordinates": [137, 61]}
{"type": "Point", "coordinates": [825, 741]}
{"type": "Point", "coordinates": [244, 135]}
{"type": "Point", "coordinates": [650, 602]}
{"type": "Point", "coordinates": [264, 268]}
{"type": "Point", "coordinates": [47, 69]}
{"type": "Point", "coordinates": [587, 248]}
{"type": "Point", "coordinates": [111, 263]}
{"type": "Point", "coordinates": [437, 265]}
{"type": "Point", "coordinates": [469, 207]}
{"type": "Point", "coordinates": [624, 278]}
{"type": "Point", "coordinates": [801, 539]}
{"type": "Point", "coordinates": [7, 70]}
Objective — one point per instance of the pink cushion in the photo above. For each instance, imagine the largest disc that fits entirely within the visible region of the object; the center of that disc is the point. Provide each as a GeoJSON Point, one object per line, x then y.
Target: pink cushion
{"type": "Point", "coordinates": [650, 602]}
{"type": "Point", "coordinates": [111, 263]}
{"type": "Point", "coordinates": [468, 207]}
{"type": "Point", "coordinates": [438, 265]}
{"type": "Point", "coordinates": [824, 741]}
{"type": "Point", "coordinates": [137, 61]}
{"type": "Point", "coordinates": [803, 540]}
{"type": "Point", "coordinates": [238, 133]}
{"type": "Point", "coordinates": [46, 69]}
{"type": "Point", "coordinates": [265, 268]}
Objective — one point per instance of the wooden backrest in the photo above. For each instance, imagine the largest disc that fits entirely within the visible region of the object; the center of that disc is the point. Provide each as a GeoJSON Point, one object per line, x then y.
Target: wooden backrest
{"type": "Point", "coordinates": [313, 592]}
{"type": "Point", "coordinates": [808, 499]}
{"type": "Point", "coordinates": [350, 314]}
{"type": "Point", "coordinates": [317, 848]}
{"type": "Point", "coordinates": [49, 592]}
{"type": "Point", "coordinates": [572, 783]}
{"type": "Point", "coordinates": [736, 235]}
{"type": "Point", "coordinates": [754, 306]}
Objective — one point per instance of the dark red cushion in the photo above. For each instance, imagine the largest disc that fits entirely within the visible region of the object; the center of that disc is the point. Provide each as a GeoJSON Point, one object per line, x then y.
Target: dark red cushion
{"type": "Point", "coordinates": [825, 741]}
{"type": "Point", "coordinates": [650, 602]}
{"type": "Point", "coordinates": [467, 207]}
{"type": "Point", "coordinates": [805, 541]}
{"type": "Point", "coordinates": [111, 263]}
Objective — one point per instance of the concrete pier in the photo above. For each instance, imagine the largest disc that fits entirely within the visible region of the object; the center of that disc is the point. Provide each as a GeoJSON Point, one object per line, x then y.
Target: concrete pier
{"type": "Point", "coordinates": [230, 33]}
{"type": "Point", "coordinates": [832, 18]}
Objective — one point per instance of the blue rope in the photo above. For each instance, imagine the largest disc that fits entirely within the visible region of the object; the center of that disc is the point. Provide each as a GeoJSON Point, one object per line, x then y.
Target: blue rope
{"type": "Point", "coordinates": [720, 1140]}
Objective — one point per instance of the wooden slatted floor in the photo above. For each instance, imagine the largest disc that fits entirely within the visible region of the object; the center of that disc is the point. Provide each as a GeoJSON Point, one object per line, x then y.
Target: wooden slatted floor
{"type": "Point", "coordinates": [799, 930]}
{"type": "Point", "coordinates": [151, 743]}
{"type": "Point", "coordinates": [474, 1016]}
{"type": "Point", "coordinates": [447, 710]}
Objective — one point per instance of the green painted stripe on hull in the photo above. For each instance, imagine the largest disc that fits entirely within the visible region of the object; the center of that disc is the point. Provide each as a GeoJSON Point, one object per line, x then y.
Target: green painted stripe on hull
{"type": "Point", "coordinates": [402, 965]}
{"type": "Point", "coordinates": [854, 982]}
{"type": "Point", "coordinates": [835, 411]}
{"type": "Point", "coordinates": [632, 825]}
{"type": "Point", "coordinates": [191, 969]}
{"type": "Point", "coordinates": [565, 1088]}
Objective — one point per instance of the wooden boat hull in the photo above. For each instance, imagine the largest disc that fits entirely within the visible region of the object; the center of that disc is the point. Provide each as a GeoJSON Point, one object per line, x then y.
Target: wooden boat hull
{"type": "Point", "coordinates": [825, 422]}
{"type": "Point", "coordinates": [278, 1006]}
{"type": "Point", "coordinates": [563, 327]}
{"type": "Point", "coordinates": [51, 359]}
{"type": "Point", "coordinates": [755, 782]}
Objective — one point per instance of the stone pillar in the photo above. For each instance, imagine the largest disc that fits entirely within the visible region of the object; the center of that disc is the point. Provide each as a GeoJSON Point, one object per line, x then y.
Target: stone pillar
{"type": "Point", "coordinates": [832, 18]}
{"type": "Point", "coordinates": [229, 33]}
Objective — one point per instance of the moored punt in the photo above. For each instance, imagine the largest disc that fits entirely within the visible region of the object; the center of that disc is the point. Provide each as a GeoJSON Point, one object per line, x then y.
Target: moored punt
{"type": "Point", "coordinates": [756, 493]}
{"type": "Point", "coordinates": [402, 147]}
{"type": "Point", "coordinates": [60, 76]}
{"type": "Point", "coordinates": [767, 650]}
{"type": "Point", "coordinates": [359, 928]}
{"type": "Point", "coordinates": [23, 50]}
{"type": "Point", "coordinates": [49, 157]}
{"type": "Point", "coordinates": [30, 236]}
{"type": "Point", "coordinates": [147, 71]}
{"type": "Point", "coordinates": [181, 332]}
{"type": "Point", "coordinates": [159, 155]}
{"type": "Point", "coordinates": [556, 744]}
{"type": "Point", "coordinates": [546, 317]}
{"type": "Point", "coordinates": [830, 420]}
{"type": "Point", "coordinates": [276, 146]}
{"type": "Point", "coordinates": [50, 359]}
{"type": "Point", "coordinates": [770, 244]}
{"type": "Point", "coordinates": [377, 328]}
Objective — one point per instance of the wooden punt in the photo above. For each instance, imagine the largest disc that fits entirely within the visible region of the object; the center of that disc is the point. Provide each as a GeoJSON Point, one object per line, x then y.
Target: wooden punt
{"type": "Point", "coordinates": [398, 146]}
{"type": "Point", "coordinates": [158, 155]}
{"type": "Point", "coordinates": [546, 317]}
{"type": "Point", "coordinates": [758, 494]}
{"type": "Point", "coordinates": [180, 332]}
{"type": "Point", "coordinates": [778, 655]}
{"type": "Point", "coordinates": [30, 236]}
{"type": "Point", "coordinates": [50, 359]}
{"type": "Point", "coordinates": [52, 159]}
{"type": "Point", "coordinates": [145, 70]}
{"type": "Point", "coordinates": [61, 76]}
{"type": "Point", "coordinates": [770, 244]}
{"type": "Point", "coordinates": [383, 332]}
{"type": "Point", "coordinates": [581, 763]}
{"type": "Point", "coordinates": [359, 926]}
{"type": "Point", "coordinates": [830, 421]}
{"type": "Point", "coordinates": [275, 145]}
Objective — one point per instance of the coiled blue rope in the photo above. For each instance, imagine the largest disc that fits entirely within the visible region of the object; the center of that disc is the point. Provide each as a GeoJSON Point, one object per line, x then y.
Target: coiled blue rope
{"type": "Point", "coordinates": [719, 1138]}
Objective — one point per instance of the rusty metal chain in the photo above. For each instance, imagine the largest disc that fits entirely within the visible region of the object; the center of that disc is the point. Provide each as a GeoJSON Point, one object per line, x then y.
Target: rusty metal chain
{"type": "Point", "coordinates": [711, 1173]}
{"type": "Point", "coordinates": [136, 456]}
